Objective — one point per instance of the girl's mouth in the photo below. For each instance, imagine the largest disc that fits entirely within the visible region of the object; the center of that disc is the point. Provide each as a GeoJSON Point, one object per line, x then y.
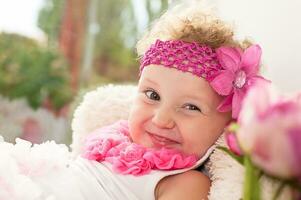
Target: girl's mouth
{"type": "Point", "coordinates": [161, 141]}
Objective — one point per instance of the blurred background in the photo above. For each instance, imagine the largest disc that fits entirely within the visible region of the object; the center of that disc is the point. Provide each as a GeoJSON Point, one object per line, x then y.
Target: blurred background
{"type": "Point", "coordinates": [53, 51]}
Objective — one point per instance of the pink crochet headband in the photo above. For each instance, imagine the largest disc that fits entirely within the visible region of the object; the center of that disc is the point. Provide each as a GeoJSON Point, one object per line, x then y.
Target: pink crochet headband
{"type": "Point", "coordinates": [198, 59]}
{"type": "Point", "coordinates": [229, 70]}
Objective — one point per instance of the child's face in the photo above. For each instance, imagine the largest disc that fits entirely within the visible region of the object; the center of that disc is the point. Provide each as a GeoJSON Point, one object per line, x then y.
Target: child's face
{"type": "Point", "coordinates": [176, 110]}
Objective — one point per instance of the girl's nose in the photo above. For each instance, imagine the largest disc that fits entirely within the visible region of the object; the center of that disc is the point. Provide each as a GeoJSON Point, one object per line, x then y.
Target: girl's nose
{"type": "Point", "coordinates": [163, 118]}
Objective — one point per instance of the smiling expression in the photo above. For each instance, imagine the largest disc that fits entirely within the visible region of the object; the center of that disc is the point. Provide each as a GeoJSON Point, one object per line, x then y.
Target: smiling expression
{"type": "Point", "coordinates": [175, 109]}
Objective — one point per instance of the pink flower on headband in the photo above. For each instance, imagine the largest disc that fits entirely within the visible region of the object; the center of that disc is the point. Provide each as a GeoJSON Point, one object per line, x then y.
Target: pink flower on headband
{"type": "Point", "coordinates": [239, 72]}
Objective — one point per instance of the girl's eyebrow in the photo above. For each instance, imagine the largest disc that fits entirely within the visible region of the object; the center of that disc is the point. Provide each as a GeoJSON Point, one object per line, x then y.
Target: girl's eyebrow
{"type": "Point", "coordinates": [151, 81]}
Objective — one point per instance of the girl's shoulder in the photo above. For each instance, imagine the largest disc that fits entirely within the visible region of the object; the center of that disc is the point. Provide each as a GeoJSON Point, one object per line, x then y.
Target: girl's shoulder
{"type": "Point", "coordinates": [188, 185]}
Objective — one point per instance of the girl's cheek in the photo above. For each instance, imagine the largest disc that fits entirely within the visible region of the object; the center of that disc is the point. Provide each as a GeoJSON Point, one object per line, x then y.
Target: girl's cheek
{"type": "Point", "coordinates": [138, 110]}
{"type": "Point", "coordinates": [138, 114]}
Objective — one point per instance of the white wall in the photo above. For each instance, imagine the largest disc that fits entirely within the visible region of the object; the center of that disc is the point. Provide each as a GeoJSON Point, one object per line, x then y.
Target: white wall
{"type": "Point", "coordinates": [276, 26]}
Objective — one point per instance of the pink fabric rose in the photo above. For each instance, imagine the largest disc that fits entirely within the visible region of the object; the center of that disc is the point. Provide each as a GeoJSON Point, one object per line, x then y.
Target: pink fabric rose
{"type": "Point", "coordinates": [169, 159]}
{"type": "Point", "coordinates": [97, 149]}
{"type": "Point", "coordinates": [130, 160]}
{"type": "Point", "coordinates": [123, 127]}
{"type": "Point", "coordinates": [240, 72]}
{"type": "Point", "coordinates": [270, 131]}
{"type": "Point", "coordinates": [99, 142]}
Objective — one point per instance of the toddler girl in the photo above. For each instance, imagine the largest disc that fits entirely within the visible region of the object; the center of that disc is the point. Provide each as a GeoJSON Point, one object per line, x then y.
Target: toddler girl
{"type": "Point", "coordinates": [193, 77]}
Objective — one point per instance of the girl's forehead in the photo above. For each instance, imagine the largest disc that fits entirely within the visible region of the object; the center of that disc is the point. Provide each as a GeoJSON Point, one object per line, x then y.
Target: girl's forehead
{"type": "Point", "coordinates": [171, 76]}
{"type": "Point", "coordinates": [175, 81]}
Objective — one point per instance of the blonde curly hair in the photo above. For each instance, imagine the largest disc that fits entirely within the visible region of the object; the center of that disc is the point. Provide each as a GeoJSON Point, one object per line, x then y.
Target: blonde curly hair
{"type": "Point", "coordinates": [191, 22]}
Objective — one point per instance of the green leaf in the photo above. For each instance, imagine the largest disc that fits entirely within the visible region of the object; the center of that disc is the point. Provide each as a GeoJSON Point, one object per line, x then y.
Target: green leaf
{"type": "Point", "coordinates": [233, 127]}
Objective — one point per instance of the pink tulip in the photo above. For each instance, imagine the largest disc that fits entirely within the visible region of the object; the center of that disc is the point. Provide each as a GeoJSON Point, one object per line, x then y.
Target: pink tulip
{"type": "Point", "coordinates": [232, 143]}
{"type": "Point", "coordinates": [270, 131]}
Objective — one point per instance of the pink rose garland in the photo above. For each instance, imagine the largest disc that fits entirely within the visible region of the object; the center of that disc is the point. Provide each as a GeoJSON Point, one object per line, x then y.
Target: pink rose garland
{"type": "Point", "coordinates": [112, 144]}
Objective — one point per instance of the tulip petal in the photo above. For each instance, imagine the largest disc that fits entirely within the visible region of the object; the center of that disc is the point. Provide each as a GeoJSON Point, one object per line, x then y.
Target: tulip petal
{"type": "Point", "coordinates": [229, 58]}
{"type": "Point", "coordinates": [250, 60]}
{"type": "Point", "coordinates": [232, 143]}
{"type": "Point", "coordinates": [222, 83]}
{"type": "Point", "coordinates": [295, 139]}
{"type": "Point", "coordinates": [298, 98]}
{"type": "Point", "coordinates": [252, 106]}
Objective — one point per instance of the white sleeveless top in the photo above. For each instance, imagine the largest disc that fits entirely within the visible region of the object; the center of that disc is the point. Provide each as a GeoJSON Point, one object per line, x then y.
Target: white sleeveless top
{"type": "Point", "coordinates": [45, 172]}
{"type": "Point", "coordinates": [97, 181]}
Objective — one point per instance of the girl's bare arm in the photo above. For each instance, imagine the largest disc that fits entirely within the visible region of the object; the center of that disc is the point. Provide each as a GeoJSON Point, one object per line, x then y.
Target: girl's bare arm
{"type": "Point", "coordinates": [192, 185]}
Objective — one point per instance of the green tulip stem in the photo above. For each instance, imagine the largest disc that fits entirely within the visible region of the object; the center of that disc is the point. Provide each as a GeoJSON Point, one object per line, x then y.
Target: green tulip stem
{"type": "Point", "coordinates": [252, 185]}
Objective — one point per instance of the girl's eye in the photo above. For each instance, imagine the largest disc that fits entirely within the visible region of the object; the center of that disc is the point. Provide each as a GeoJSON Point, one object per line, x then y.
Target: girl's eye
{"type": "Point", "coordinates": [151, 94]}
{"type": "Point", "coordinates": [192, 107]}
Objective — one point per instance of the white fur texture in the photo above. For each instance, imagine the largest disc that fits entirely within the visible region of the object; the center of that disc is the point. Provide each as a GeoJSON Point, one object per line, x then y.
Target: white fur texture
{"type": "Point", "coordinates": [110, 103]}
{"type": "Point", "coordinates": [227, 177]}
{"type": "Point", "coordinates": [100, 107]}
